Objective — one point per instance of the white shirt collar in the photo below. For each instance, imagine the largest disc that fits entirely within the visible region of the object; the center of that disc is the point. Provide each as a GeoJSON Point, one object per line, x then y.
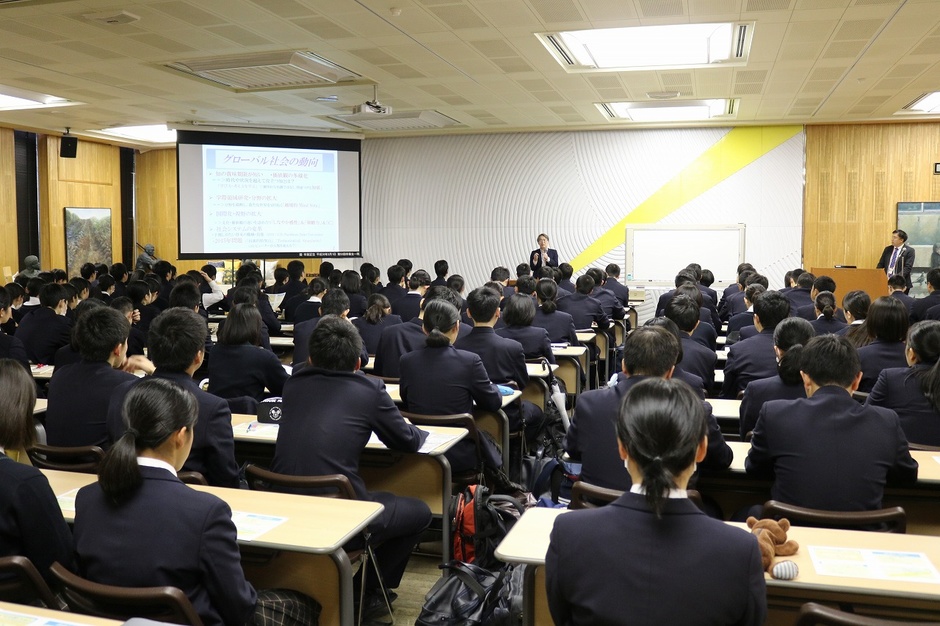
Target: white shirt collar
{"type": "Point", "coordinates": [673, 493]}
{"type": "Point", "coordinates": [146, 461]}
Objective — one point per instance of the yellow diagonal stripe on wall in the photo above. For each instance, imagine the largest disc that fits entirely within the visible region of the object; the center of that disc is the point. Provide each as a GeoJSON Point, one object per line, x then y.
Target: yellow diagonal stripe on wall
{"type": "Point", "coordinates": [740, 147]}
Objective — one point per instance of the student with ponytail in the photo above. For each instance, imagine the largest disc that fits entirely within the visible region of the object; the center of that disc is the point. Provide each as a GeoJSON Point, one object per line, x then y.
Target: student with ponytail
{"type": "Point", "coordinates": [560, 325]}
{"type": "Point", "coordinates": [377, 317]}
{"type": "Point", "coordinates": [140, 526]}
{"type": "Point", "coordinates": [856, 304]}
{"type": "Point", "coordinates": [790, 336]}
{"type": "Point", "coordinates": [914, 392]}
{"type": "Point", "coordinates": [630, 557]}
{"type": "Point", "coordinates": [887, 324]}
{"type": "Point", "coordinates": [826, 321]}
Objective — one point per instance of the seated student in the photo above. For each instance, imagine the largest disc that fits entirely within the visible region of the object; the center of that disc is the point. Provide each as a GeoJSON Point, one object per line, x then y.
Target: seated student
{"type": "Point", "coordinates": [914, 392]}
{"type": "Point", "coordinates": [69, 353]}
{"type": "Point", "coordinates": [239, 366]}
{"type": "Point", "coordinates": [185, 538]}
{"type": "Point", "coordinates": [120, 274]}
{"type": "Point", "coordinates": [800, 296]}
{"type": "Point", "coordinates": [613, 284]}
{"type": "Point", "coordinates": [72, 300]}
{"type": "Point", "coordinates": [186, 295]}
{"type": "Point", "coordinates": [377, 317]}
{"type": "Point", "coordinates": [31, 522]}
{"type": "Point", "coordinates": [370, 279]}
{"type": "Point", "coordinates": [754, 358]}
{"type": "Point", "coordinates": [696, 358]}
{"type": "Point", "coordinates": [827, 451]}
{"type": "Point", "coordinates": [607, 298]}
{"type": "Point", "coordinates": [584, 310]}
{"type": "Point", "coordinates": [441, 268]}
{"type": "Point", "coordinates": [693, 381]}
{"type": "Point", "coordinates": [732, 291]}
{"type": "Point", "coordinates": [255, 281]}
{"type": "Point", "coordinates": [309, 306]}
{"type": "Point", "coordinates": [558, 324]}
{"type": "Point", "coordinates": [33, 286]}
{"type": "Point", "coordinates": [826, 322]}
{"type": "Point", "coordinates": [165, 274]}
{"type": "Point", "coordinates": [705, 333]}
{"type": "Point", "coordinates": [177, 344]}
{"type": "Point", "coordinates": [296, 282]}
{"type": "Point", "coordinates": [212, 292]}
{"type": "Point", "coordinates": [922, 305]}
{"type": "Point", "coordinates": [335, 302]}
{"type": "Point", "coordinates": [395, 288]}
{"type": "Point", "coordinates": [457, 284]}
{"type": "Point", "coordinates": [400, 339]}
{"type": "Point", "coordinates": [820, 284]}
{"type": "Point", "coordinates": [408, 306]}
{"type": "Point", "coordinates": [790, 336]}
{"type": "Point", "coordinates": [46, 329]}
{"type": "Point", "coordinates": [518, 316]}
{"type": "Point", "coordinates": [746, 318]}
{"type": "Point", "coordinates": [137, 339]}
{"type": "Point", "coordinates": [706, 281]}
{"type": "Point", "coordinates": [106, 286]}
{"type": "Point", "coordinates": [887, 324]}
{"type": "Point", "coordinates": [247, 295]}
{"type": "Point", "coordinates": [503, 359]}
{"type": "Point", "coordinates": [856, 304]}
{"type": "Point", "coordinates": [80, 393]}
{"type": "Point", "coordinates": [651, 556]}
{"type": "Point", "coordinates": [501, 275]}
{"type": "Point", "coordinates": [351, 283]}
{"type": "Point", "coordinates": [16, 296]}
{"type": "Point", "coordinates": [565, 272]}
{"type": "Point", "coordinates": [82, 288]}
{"type": "Point", "coordinates": [280, 281]}
{"type": "Point", "coordinates": [649, 351]}
{"type": "Point", "coordinates": [10, 347]}
{"type": "Point", "coordinates": [332, 411]}
{"type": "Point", "coordinates": [406, 265]}
{"type": "Point", "coordinates": [896, 286]}
{"type": "Point", "coordinates": [142, 296]}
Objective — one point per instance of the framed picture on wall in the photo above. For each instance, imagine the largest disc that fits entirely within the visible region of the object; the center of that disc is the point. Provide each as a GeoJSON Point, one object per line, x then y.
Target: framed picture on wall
{"type": "Point", "coordinates": [87, 237]}
{"type": "Point", "coordinates": [921, 222]}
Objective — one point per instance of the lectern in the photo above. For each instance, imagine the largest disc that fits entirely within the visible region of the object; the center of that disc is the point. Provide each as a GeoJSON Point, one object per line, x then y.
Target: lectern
{"type": "Point", "coordinates": [873, 282]}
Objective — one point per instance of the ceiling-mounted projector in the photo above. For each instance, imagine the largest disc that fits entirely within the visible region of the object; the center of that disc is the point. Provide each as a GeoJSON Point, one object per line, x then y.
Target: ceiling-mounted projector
{"type": "Point", "coordinates": [373, 107]}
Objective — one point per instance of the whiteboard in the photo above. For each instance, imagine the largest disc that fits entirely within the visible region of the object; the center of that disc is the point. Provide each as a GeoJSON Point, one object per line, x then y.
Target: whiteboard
{"type": "Point", "coordinates": [656, 253]}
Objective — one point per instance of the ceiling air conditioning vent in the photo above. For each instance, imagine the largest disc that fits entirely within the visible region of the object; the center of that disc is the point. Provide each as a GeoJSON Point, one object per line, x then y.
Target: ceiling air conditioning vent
{"type": "Point", "coordinates": [268, 70]}
{"type": "Point", "coordinates": [406, 120]}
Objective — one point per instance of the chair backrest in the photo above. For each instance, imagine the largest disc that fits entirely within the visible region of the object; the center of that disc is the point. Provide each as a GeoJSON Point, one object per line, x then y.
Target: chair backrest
{"type": "Point", "coordinates": [587, 496]}
{"type": "Point", "coordinates": [385, 379]}
{"type": "Point", "coordinates": [193, 478]}
{"type": "Point", "coordinates": [331, 485]}
{"type": "Point", "coordinates": [164, 604]}
{"type": "Point", "coordinates": [925, 447]}
{"type": "Point", "coordinates": [892, 520]}
{"type": "Point", "coordinates": [68, 459]}
{"type": "Point", "coordinates": [812, 614]}
{"type": "Point", "coordinates": [457, 420]}
{"type": "Point", "coordinates": [21, 582]}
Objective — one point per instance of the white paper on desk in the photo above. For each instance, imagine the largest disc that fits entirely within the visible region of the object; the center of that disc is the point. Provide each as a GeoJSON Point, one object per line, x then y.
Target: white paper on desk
{"type": "Point", "coordinates": [8, 618]}
{"type": "Point", "coordinates": [250, 526]}
{"type": "Point", "coordinates": [255, 428]}
{"type": "Point", "coordinates": [937, 459]}
{"type": "Point", "coordinates": [432, 443]}
{"type": "Point", "coordinates": [874, 564]}
{"type": "Point", "coordinates": [67, 500]}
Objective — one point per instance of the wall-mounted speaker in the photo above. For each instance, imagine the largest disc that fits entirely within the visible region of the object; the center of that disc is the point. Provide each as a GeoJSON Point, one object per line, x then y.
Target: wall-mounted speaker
{"type": "Point", "coordinates": [68, 147]}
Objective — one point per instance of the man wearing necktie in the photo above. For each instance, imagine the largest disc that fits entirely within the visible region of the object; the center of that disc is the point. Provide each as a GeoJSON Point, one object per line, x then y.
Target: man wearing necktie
{"type": "Point", "coordinates": [898, 258]}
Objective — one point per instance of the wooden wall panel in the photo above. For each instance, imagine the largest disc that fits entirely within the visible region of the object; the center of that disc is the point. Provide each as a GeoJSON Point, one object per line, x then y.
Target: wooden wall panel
{"type": "Point", "coordinates": [855, 176]}
{"type": "Point", "coordinates": [9, 250]}
{"type": "Point", "coordinates": [157, 219]}
{"type": "Point", "coordinates": [92, 180]}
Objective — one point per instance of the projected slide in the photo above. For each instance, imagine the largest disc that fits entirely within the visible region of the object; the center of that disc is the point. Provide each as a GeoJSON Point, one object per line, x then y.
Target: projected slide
{"type": "Point", "coordinates": [243, 195]}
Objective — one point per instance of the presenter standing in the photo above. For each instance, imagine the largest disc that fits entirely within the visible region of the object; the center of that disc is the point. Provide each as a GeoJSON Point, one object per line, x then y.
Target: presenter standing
{"type": "Point", "coordinates": [542, 256]}
{"type": "Point", "coordinates": [898, 258]}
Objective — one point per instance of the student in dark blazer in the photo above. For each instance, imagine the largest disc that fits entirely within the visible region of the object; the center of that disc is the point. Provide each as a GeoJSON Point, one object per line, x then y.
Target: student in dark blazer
{"type": "Point", "coordinates": [649, 351]}
{"type": "Point", "coordinates": [651, 556]}
{"type": "Point", "coordinates": [395, 288]}
{"type": "Point", "coordinates": [790, 336]}
{"type": "Point", "coordinates": [801, 295]}
{"type": "Point", "coordinates": [558, 324]}
{"type": "Point", "coordinates": [613, 284]}
{"type": "Point", "coordinates": [441, 268]}
{"type": "Point", "coordinates": [932, 299]}
{"type": "Point", "coordinates": [335, 302]}
{"type": "Point", "coordinates": [46, 329]}
{"type": "Point", "coordinates": [10, 347]}
{"type": "Point", "coordinates": [827, 451]}
{"type": "Point", "coordinates": [565, 272]}
{"type": "Point", "coordinates": [518, 316]}
{"type": "Point", "coordinates": [408, 306]}
{"type": "Point", "coordinates": [855, 304]}
{"type": "Point", "coordinates": [584, 310]}
{"type": "Point", "coordinates": [608, 300]}
{"type": "Point", "coordinates": [896, 288]}
{"type": "Point", "coordinates": [330, 411]}
{"type": "Point", "coordinates": [377, 317]}
{"type": "Point", "coordinates": [351, 283]}
{"type": "Point", "coordinates": [310, 307]}
{"type": "Point", "coordinates": [177, 347]}
{"type": "Point", "coordinates": [897, 259]}
{"type": "Point", "coordinates": [685, 276]}
{"type": "Point", "coordinates": [696, 358]}
{"type": "Point", "coordinates": [31, 522]}
{"type": "Point", "coordinates": [826, 322]}
{"type": "Point", "coordinates": [239, 366]}
{"type": "Point", "coordinates": [753, 358]}
{"type": "Point", "coordinates": [296, 282]}
{"type": "Point", "coordinates": [887, 324]}
{"type": "Point", "coordinates": [912, 392]}
{"type": "Point", "coordinates": [439, 379]}
{"type": "Point", "coordinates": [745, 318]}
{"type": "Point", "coordinates": [80, 394]}
{"type": "Point", "coordinates": [185, 537]}
{"type": "Point", "coordinates": [733, 292]}
{"type": "Point", "coordinates": [543, 256]}
{"type": "Point", "coordinates": [693, 381]}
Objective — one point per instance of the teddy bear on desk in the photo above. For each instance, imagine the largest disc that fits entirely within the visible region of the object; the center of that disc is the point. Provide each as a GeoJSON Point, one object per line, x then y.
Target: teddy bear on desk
{"type": "Point", "coordinates": [772, 539]}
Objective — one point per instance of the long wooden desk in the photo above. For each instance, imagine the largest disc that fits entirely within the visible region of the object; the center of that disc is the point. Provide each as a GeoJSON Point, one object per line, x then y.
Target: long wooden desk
{"type": "Point", "coordinates": [307, 547]}
{"type": "Point", "coordinates": [425, 475]}
{"type": "Point", "coordinates": [41, 405]}
{"type": "Point", "coordinates": [22, 614]}
{"type": "Point", "coordinates": [734, 489]}
{"type": "Point", "coordinates": [528, 541]}
{"type": "Point", "coordinates": [728, 415]}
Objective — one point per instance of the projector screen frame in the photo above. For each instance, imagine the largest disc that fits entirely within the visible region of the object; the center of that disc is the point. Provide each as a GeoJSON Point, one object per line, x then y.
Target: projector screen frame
{"type": "Point", "coordinates": [233, 137]}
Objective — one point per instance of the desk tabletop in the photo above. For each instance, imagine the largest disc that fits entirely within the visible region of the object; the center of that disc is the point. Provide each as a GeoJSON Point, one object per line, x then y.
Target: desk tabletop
{"type": "Point", "coordinates": [312, 524]}
{"type": "Point", "coordinates": [538, 370]}
{"type": "Point", "coordinates": [41, 405]}
{"type": "Point", "coordinates": [587, 336]}
{"type": "Point", "coordinates": [395, 392]}
{"type": "Point", "coordinates": [34, 616]}
{"type": "Point", "coordinates": [42, 372]}
{"type": "Point", "coordinates": [725, 408]}
{"type": "Point", "coordinates": [575, 351]}
{"type": "Point", "coordinates": [527, 542]}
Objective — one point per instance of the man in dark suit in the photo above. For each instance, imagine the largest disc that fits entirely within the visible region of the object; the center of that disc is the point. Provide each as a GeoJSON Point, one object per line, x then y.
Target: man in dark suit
{"type": "Point", "coordinates": [896, 289]}
{"type": "Point", "coordinates": [827, 451]}
{"type": "Point", "coordinates": [920, 306]}
{"type": "Point", "coordinates": [543, 256]}
{"type": "Point", "coordinates": [176, 343]}
{"type": "Point", "coordinates": [584, 309]}
{"type": "Point", "coordinates": [592, 439]}
{"type": "Point", "coordinates": [696, 358]}
{"type": "Point", "coordinates": [897, 259]}
{"type": "Point", "coordinates": [330, 411]}
{"type": "Point", "coordinates": [408, 306]}
{"type": "Point", "coordinates": [46, 329]}
{"type": "Point", "coordinates": [754, 357]}
{"type": "Point", "coordinates": [80, 393]}
{"type": "Point", "coordinates": [613, 284]}
{"type": "Point", "coordinates": [395, 288]}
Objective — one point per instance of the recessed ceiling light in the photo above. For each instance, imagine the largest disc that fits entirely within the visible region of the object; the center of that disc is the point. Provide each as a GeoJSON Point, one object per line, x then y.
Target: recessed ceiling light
{"type": "Point", "coordinates": [157, 133]}
{"type": "Point", "coordinates": [675, 111]}
{"type": "Point", "coordinates": [12, 99]}
{"type": "Point", "coordinates": [929, 103]}
{"type": "Point", "coordinates": [651, 47]}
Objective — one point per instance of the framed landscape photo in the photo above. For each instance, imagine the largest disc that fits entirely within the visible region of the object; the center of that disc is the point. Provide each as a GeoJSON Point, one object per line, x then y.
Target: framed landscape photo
{"type": "Point", "coordinates": [87, 237]}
